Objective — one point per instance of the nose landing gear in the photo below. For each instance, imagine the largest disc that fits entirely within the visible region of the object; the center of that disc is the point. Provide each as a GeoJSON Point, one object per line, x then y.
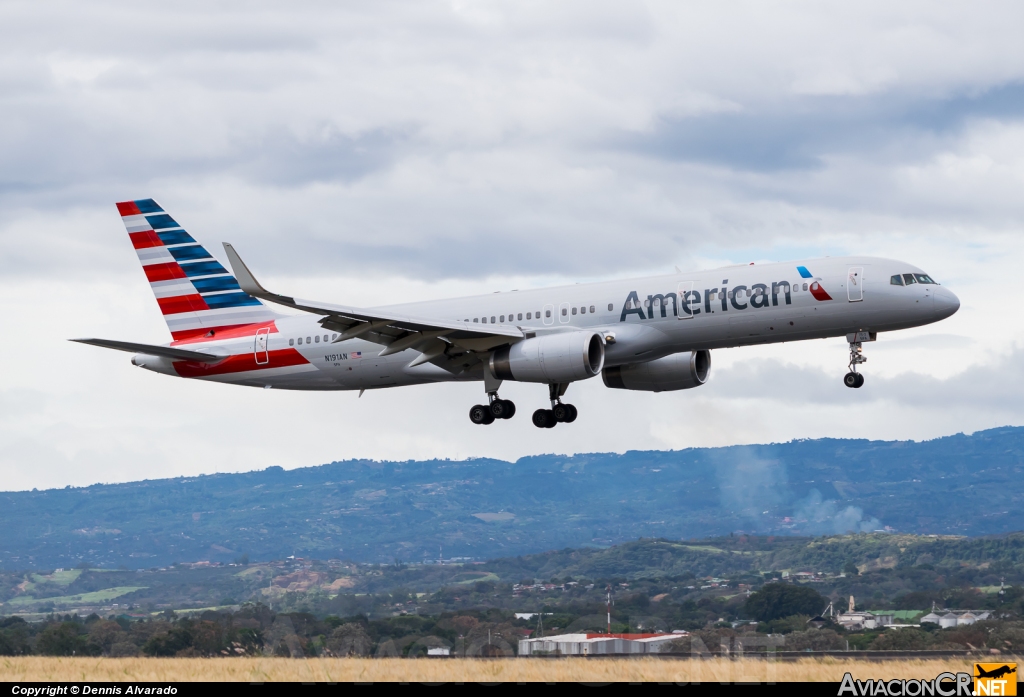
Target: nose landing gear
{"type": "Point", "coordinates": [559, 412]}
{"type": "Point", "coordinates": [857, 357]}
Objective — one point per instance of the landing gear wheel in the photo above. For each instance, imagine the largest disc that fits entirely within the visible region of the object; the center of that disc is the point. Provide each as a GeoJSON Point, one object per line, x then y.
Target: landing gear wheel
{"type": "Point", "coordinates": [543, 418]}
{"type": "Point", "coordinates": [561, 412]}
{"type": "Point", "coordinates": [481, 414]}
{"type": "Point", "coordinates": [572, 414]}
{"type": "Point", "coordinates": [860, 380]}
{"type": "Point", "coordinates": [852, 379]}
{"type": "Point", "coordinates": [503, 409]}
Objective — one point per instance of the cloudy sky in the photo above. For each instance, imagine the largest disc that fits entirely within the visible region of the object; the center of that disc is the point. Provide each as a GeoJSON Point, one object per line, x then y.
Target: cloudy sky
{"type": "Point", "coordinates": [366, 153]}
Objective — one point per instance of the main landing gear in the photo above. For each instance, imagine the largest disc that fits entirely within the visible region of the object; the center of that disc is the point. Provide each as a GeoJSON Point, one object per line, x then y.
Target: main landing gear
{"type": "Point", "coordinates": [558, 413]}
{"type": "Point", "coordinates": [496, 408]}
{"type": "Point", "coordinates": [853, 378]}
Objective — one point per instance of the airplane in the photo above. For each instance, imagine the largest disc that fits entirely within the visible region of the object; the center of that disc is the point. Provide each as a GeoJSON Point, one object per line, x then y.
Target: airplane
{"type": "Point", "coordinates": [994, 673]}
{"type": "Point", "coordinates": [651, 334]}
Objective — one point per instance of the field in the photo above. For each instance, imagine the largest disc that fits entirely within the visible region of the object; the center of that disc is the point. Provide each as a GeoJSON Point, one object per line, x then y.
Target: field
{"type": "Point", "coordinates": [40, 669]}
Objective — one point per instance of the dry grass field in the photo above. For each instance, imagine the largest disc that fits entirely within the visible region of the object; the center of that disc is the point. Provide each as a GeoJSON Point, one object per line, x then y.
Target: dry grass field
{"type": "Point", "coordinates": [464, 670]}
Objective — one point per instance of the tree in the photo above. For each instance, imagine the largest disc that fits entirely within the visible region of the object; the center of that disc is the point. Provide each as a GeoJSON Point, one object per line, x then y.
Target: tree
{"type": "Point", "coordinates": [777, 600]}
{"type": "Point", "coordinates": [906, 639]}
{"type": "Point", "coordinates": [64, 639]}
{"type": "Point", "coordinates": [850, 569]}
{"type": "Point", "coordinates": [350, 640]}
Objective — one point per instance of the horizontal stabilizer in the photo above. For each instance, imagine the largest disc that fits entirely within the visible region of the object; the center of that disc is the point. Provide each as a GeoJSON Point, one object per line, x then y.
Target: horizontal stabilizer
{"type": "Point", "coordinates": [166, 351]}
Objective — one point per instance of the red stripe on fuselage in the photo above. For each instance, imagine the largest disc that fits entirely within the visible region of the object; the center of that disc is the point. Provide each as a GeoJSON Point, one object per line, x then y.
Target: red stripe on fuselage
{"type": "Point", "coordinates": [128, 208]}
{"type": "Point", "coordinates": [282, 358]}
{"type": "Point", "coordinates": [228, 331]}
{"type": "Point", "coordinates": [819, 293]}
{"type": "Point", "coordinates": [142, 240]}
{"type": "Point", "coordinates": [182, 303]}
{"type": "Point", "coordinates": [163, 272]}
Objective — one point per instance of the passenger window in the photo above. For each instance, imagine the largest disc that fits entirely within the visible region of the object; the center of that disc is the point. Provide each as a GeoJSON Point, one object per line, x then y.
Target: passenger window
{"type": "Point", "coordinates": [573, 311]}
{"type": "Point", "coordinates": [591, 309]}
{"type": "Point", "coordinates": [547, 313]}
{"type": "Point", "coordinates": [521, 315]}
{"type": "Point", "coordinates": [583, 310]}
{"type": "Point", "coordinates": [333, 337]}
{"type": "Point", "coordinates": [896, 280]}
{"type": "Point", "coordinates": [502, 318]}
{"type": "Point", "coordinates": [909, 278]}
{"type": "Point", "coordinates": [611, 308]}
{"type": "Point", "coordinates": [300, 341]}
{"type": "Point", "coordinates": [924, 278]}
{"type": "Point", "coordinates": [492, 319]}
{"type": "Point", "coordinates": [805, 286]}
{"type": "Point", "coordinates": [563, 312]}
{"type": "Point", "coordinates": [291, 342]}
{"type": "Point", "coordinates": [529, 315]}
{"type": "Point", "coordinates": [317, 338]}
{"type": "Point", "coordinates": [475, 319]}
{"type": "Point", "coordinates": [748, 292]}
{"type": "Point", "coordinates": [325, 338]}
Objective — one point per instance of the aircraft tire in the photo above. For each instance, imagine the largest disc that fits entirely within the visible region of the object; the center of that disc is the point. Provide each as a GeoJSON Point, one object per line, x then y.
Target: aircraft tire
{"type": "Point", "coordinates": [503, 408]}
{"type": "Point", "coordinates": [573, 413]}
{"type": "Point", "coordinates": [543, 418]}
{"type": "Point", "coordinates": [850, 379]}
{"type": "Point", "coordinates": [479, 414]}
{"type": "Point", "coordinates": [860, 380]}
{"type": "Point", "coordinates": [561, 412]}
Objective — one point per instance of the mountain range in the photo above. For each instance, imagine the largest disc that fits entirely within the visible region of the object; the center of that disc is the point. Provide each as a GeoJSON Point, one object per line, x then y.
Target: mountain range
{"type": "Point", "coordinates": [370, 511]}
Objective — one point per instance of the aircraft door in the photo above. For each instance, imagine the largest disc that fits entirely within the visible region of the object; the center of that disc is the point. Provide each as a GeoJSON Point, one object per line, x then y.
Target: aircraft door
{"type": "Point", "coordinates": [260, 347]}
{"type": "Point", "coordinates": [855, 284]}
{"type": "Point", "coordinates": [549, 314]}
{"type": "Point", "coordinates": [685, 303]}
{"type": "Point", "coordinates": [563, 313]}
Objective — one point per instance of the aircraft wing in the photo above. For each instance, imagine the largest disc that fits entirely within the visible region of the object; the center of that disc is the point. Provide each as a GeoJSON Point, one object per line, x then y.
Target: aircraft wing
{"type": "Point", "coordinates": [167, 351]}
{"type": "Point", "coordinates": [395, 332]}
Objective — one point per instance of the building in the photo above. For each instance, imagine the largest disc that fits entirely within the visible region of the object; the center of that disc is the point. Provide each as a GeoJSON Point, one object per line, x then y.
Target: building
{"type": "Point", "coordinates": [864, 620]}
{"type": "Point", "coordinates": [948, 620]}
{"type": "Point", "coordinates": [597, 644]}
{"type": "Point", "coordinates": [931, 617]}
{"type": "Point", "coordinates": [966, 618]}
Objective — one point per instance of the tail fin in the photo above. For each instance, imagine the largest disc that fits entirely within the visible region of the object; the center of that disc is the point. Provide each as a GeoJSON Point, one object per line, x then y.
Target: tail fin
{"type": "Point", "coordinates": [197, 295]}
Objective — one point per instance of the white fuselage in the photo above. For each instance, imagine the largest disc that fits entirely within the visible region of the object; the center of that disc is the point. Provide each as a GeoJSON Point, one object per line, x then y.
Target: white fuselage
{"type": "Point", "coordinates": [726, 307]}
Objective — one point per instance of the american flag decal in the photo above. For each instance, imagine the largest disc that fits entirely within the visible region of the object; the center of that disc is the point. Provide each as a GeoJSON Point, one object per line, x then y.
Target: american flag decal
{"type": "Point", "coordinates": [356, 354]}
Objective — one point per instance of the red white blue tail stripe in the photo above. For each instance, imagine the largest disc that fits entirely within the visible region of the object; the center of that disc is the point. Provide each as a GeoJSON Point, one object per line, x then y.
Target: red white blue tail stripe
{"type": "Point", "coordinates": [198, 296]}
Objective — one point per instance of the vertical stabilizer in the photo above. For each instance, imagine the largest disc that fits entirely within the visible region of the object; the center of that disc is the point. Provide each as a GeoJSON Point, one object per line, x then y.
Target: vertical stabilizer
{"type": "Point", "coordinates": [197, 296]}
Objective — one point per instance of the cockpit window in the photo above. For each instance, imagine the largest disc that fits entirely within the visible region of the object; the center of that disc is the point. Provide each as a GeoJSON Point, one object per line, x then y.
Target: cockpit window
{"type": "Point", "coordinates": [924, 278]}
{"type": "Point", "coordinates": [909, 278]}
{"type": "Point", "coordinates": [896, 280]}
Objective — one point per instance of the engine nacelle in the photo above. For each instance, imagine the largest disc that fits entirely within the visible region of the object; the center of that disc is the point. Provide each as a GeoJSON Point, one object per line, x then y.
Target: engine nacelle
{"type": "Point", "coordinates": [562, 357]}
{"type": "Point", "coordinates": [680, 371]}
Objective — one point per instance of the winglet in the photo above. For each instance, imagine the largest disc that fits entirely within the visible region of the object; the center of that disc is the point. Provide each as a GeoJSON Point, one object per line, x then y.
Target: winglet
{"type": "Point", "coordinates": [244, 276]}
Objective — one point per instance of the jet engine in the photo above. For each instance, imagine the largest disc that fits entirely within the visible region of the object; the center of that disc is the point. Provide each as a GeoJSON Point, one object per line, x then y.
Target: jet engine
{"type": "Point", "coordinates": [562, 357]}
{"type": "Point", "coordinates": [680, 371]}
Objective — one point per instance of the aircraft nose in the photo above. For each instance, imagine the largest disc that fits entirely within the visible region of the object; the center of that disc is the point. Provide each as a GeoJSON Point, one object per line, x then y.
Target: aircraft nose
{"type": "Point", "coordinates": [946, 303]}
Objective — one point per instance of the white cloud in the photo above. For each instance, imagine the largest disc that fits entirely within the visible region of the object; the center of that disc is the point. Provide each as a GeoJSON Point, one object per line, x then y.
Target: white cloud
{"type": "Point", "coordinates": [376, 152]}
